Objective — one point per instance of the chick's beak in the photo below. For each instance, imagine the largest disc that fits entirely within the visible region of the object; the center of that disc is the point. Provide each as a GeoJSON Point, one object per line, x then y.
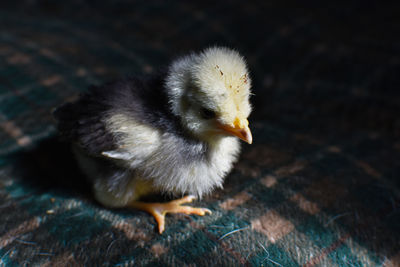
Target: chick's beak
{"type": "Point", "coordinates": [239, 129]}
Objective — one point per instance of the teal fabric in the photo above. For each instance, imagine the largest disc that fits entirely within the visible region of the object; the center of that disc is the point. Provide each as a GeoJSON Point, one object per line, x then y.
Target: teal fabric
{"type": "Point", "coordinates": [318, 187]}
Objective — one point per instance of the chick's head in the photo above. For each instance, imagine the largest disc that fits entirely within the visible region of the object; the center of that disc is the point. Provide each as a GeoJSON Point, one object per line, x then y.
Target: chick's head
{"type": "Point", "coordinates": [210, 92]}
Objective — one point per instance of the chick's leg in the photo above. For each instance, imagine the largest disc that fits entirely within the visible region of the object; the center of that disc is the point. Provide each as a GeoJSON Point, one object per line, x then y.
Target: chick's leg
{"type": "Point", "coordinates": [159, 210]}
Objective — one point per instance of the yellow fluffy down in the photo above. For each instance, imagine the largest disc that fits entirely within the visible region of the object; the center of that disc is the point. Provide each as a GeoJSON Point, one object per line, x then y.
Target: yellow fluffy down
{"type": "Point", "coordinates": [222, 73]}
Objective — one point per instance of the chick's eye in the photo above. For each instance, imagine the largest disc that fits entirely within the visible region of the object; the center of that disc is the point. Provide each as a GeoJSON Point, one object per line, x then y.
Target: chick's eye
{"type": "Point", "coordinates": [207, 113]}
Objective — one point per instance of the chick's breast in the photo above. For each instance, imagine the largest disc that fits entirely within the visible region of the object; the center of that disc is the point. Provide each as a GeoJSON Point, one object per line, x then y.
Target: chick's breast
{"type": "Point", "coordinates": [172, 162]}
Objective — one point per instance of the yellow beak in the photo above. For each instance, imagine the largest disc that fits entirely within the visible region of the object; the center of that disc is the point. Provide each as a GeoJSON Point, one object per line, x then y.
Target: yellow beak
{"type": "Point", "coordinates": [240, 130]}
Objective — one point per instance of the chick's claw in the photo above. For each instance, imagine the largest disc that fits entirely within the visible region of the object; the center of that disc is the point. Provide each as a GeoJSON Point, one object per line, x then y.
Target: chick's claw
{"type": "Point", "coordinates": [159, 210]}
{"type": "Point", "coordinates": [186, 199]}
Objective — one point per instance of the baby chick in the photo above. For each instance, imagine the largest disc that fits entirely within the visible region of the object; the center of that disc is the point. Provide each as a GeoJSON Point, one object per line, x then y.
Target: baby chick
{"type": "Point", "coordinates": [174, 132]}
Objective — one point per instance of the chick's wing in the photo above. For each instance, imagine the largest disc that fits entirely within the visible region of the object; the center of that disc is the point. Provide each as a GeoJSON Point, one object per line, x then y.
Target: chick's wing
{"type": "Point", "coordinates": [110, 121]}
{"type": "Point", "coordinates": [82, 123]}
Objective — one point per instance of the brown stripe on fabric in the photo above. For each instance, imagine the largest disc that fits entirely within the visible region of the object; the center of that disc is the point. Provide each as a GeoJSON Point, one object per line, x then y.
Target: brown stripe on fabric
{"type": "Point", "coordinates": [81, 72]}
{"type": "Point", "coordinates": [131, 231]}
{"type": "Point", "coordinates": [237, 200]}
{"type": "Point", "coordinates": [372, 172]}
{"type": "Point", "coordinates": [48, 53]}
{"type": "Point", "coordinates": [334, 149]}
{"type": "Point", "coordinates": [291, 168]}
{"type": "Point", "coordinates": [117, 222]}
{"type": "Point", "coordinates": [100, 70]}
{"type": "Point", "coordinates": [147, 68]}
{"type": "Point", "coordinates": [72, 98]}
{"type": "Point", "coordinates": [304, 204]}
{"type": "Point", "coordinates": [301, 248]}
{"type": "Point", "coordinates": [63, 260]}
{"type": "Point", "coordinates": [368, 169]}
{"type": "Point", "coordinates": [18, 58]}
{"type": "Point", "coordinates": [272, 225]}
{"type": "Point", "coordinates": [247, 169]}
{"type": "Point", "coordinates": [393, 261]}
{"type": "Point", "coordinates": [15, 132]}
{"type": "Point", "coordinates": [236, 254]}
{"type": "Point", "coordinates": [316, 260]}
{"type": "Point", "coordinates": [158, 249]}
{"type": "Point", "coordinates": [269, 181]}
{"type": "Point", "coordinates": [24, 141]}
{"type": "Point", "coordinates": [24, 227]}
{"type": "Point", "coordinates": [51, 80]}
{"type": "Point", "coordinates": [361, 252]}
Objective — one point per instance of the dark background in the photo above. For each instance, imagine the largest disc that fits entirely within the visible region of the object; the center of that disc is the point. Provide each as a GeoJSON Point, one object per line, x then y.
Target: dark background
{"type": "Point", "coordinates": [332, 66]}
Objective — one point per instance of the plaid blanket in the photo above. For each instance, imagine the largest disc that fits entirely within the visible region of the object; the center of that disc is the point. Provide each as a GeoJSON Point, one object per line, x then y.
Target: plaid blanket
{"type": "Point", "coordinates": [318, 187]}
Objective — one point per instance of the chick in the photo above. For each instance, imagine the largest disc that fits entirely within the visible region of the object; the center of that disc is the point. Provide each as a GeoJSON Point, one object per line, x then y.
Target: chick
{"type": "Point", "coordinates": [175, 132]}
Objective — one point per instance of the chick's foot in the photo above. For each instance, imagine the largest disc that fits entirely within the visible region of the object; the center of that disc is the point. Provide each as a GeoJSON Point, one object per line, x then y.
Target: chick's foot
{"type": "Point", "coordinates": [159, 210]}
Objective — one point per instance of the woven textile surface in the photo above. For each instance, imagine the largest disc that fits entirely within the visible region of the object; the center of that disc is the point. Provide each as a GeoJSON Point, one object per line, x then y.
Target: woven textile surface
{"type": "Point", "coordinates": [318, 187]}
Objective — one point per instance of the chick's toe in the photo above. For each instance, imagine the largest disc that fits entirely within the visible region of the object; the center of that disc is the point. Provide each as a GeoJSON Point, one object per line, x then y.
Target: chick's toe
{"type": "Point", "coordinates": [159, 210]}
